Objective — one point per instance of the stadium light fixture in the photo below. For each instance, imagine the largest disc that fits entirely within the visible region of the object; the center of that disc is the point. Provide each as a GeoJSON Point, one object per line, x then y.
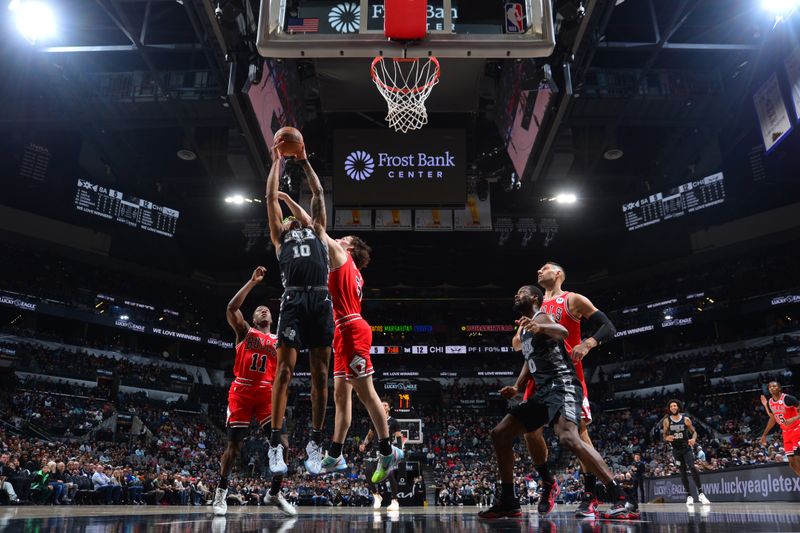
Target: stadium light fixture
{"type": "Point", "coordinates": [34, 20]}
{"type": "Point", "coordinates": [566, 198]}
{"type": "Point", "coordinates": [238, 199]}
{"type": "Point", "coordinates": [780, 8]}
{"type": "Point", "coordinates": [124, 317]}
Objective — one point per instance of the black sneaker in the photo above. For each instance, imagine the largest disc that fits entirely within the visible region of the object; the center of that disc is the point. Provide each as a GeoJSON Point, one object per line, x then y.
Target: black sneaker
{"type": "Point", "coordinates": [501, 510]}
{"type": "Point", "coordinates": [622, 510]}
{"type": "Point", "coordinates": [587, 507]}
{"type": "Point", "coordinates": [547, 500]}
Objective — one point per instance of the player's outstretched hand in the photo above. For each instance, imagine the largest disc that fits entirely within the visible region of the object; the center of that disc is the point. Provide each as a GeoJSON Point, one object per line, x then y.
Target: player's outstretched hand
{"type": "Point", "coordinates": [763, 400]}
{"type": "Point", "coordinates": [258, 274]}
{"type": "Point", "coordinates": [509, 392]}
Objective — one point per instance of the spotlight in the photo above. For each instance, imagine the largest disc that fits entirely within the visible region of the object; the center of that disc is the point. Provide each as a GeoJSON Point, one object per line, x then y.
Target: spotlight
{"type": "Point", "coordinates": [34, 20]}
{"type": "Point", "coordinates": [566, 198]}
{"type": "Point", "coordinates": [780, 7]}
{"type": "Point", "coordinates": [124, 317]}
{"type": "Point", "coordinates": [668, 317]}
{"type": "Point", "coordinates": [238, 199]}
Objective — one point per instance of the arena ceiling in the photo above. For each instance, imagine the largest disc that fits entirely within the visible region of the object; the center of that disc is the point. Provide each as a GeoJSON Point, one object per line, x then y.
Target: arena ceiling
{"type": "Point", "coordinates": [129, 83]}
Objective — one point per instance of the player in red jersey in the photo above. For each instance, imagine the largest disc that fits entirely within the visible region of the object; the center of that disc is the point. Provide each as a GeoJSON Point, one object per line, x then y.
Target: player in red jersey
{"type": "Point", "coordinates": [783, 410]}
{"type": "Point", "coordinates": [250, 395]}
{"type": "Point", "coordinates": [567, 309]}
{"type": "Point", "coordinates": [352, 339]}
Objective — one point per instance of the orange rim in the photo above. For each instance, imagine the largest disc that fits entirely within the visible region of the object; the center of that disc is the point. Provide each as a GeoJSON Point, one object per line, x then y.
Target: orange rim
{"type": "Point", "coordinates": [420, 88]}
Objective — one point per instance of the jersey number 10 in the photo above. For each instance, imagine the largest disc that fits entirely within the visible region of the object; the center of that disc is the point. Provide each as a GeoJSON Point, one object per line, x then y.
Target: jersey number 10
{"type": "Point", "coordinates": [303, 250]}
{"type": "Point", "coordinates": [255, 367]}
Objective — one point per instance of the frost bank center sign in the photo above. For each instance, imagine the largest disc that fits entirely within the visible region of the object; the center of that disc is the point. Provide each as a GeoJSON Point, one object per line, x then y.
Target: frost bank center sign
{"type": "Point", "coordinates": [377, 168]}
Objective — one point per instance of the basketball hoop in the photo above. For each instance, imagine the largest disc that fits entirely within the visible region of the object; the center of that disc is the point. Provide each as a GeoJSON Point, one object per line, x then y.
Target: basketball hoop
{"type": "Point", "coordinates": [405, 84]}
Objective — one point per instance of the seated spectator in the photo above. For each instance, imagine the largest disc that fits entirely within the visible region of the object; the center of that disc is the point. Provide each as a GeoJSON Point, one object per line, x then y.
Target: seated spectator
{"type": "Point", "coordinates": [112, 493]}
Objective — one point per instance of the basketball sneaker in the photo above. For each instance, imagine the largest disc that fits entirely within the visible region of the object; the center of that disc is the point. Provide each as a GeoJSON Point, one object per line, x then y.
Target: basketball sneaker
{"type": "Point", "coordinates": [220, 505]}
{"type": "Point", "coordinates": [218, 524]}
{"type": "Point", "coordinates": [703, 499]}
{"type": "Point", "coordinates": [280, 502]}
{"type": "Point", "coordinates": [377, 501]}
{"type": "Point", "coordinates": [621, 510]}
{"type": "Point", "coordinates": [689, 501]}
{"type": "Point", "coordinates": [314, 462]}
{"type": "Point", "coordinates": [394, 506]}
{"type": "Point", "coordinates": [333, 464]}
{"type": "Point", "coordinates": [501, 510]}
{"type": "Point", "coordinates": [587, 507]}
{"type": "Point", "coordinates": [547, 500]}
{"type": "Point", "coordinates": [387, 463]}
{"type": "Point", "coordinates": [276, 463]}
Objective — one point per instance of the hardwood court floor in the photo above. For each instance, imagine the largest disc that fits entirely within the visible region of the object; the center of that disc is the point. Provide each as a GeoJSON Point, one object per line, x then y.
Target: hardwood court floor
{"type": "Point", "coordinates": [718, 518]}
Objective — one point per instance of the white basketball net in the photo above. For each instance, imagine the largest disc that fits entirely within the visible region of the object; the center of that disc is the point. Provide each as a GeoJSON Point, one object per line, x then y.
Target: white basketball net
{"type": "Point", "coordinates": [405, 85]}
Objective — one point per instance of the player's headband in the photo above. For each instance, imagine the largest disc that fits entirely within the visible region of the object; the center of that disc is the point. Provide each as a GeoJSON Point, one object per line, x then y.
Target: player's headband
{"type": "Point", "coordinates": [290, 218]}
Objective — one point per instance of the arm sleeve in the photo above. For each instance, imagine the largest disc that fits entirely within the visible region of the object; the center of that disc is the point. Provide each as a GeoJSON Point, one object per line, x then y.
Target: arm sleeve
{"type": "Point", "coordinates": [605, 329]}
{"type": "Point", "coordinates": [791, 401]}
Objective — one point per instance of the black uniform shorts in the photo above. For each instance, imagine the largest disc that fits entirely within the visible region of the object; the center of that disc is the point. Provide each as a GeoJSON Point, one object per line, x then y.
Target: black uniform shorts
{"type": "Point", "coordinates": [306, 318]}
{"type": "Point", "coordinates": [559, 397]}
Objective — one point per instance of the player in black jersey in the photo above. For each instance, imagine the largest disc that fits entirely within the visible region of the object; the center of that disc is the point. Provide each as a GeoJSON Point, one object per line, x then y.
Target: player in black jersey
{"type": "Point", "coordinates": [306, 312]}
{"type": "Point", "coordinates": [372, 462]}
{"type": "Point", "coordinates": [674, 428]}
{"type": "Point", "coordinates": [557, 402]}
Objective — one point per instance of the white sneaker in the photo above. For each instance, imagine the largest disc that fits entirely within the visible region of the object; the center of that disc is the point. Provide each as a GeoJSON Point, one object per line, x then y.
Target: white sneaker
{"type": "Point", "coordinates": [219, 505]}
{"type": "Point", "coordinates": [280, 502]}
{"type": "Point", "coordinates": [703, 499]}
{"type": "Point", "coordinates": [276, 463]}
{"type": "Point", "coordinates": [376, 503]}
{"type": "Point", "coordinates": [314, 462]}
{"type": "Point", "coordinates": [394, 506]}
{"type": "Point", "coordinates": [689, 501]}
{"type": "Point", "coordinates": [219, 524]}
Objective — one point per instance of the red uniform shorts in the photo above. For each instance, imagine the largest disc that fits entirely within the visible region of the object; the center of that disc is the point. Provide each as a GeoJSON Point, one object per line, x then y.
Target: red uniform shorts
{"type": "Point", "coordinates": [791, 441]}
{"type": "Point", "coordinates": [351, 344]}
{"type": "Point", "coordinates": [248, 401]}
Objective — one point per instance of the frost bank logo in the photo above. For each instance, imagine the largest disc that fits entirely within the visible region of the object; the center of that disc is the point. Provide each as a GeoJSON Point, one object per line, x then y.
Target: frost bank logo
{"type": "Point", "coordinates": [345, 17]}
{"type": "Point", "coordinates": [359, 165]}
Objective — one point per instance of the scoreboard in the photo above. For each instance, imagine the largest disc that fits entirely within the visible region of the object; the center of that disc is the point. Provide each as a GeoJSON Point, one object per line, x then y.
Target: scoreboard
{"type": "Point", "coordinates": [125, 209]}
{"type": "Point", "coordinates": [674, 203]}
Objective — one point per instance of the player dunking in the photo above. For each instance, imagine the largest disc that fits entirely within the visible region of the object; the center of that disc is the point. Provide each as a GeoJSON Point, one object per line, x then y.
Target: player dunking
{"type": "Point", "coordinates": [394, 431]}
{"type": "Point", "coordinates": [306, 315]}
{"type": "Point", "coordinates": [352, 366]}
{"type": "Point", "coordinates": [567, 309]}
{"type": "Point", "coordinates": [250, 395]}
{"type": "Point", "coordinates": [783, 410]}
{"type": "Point", "coordinates": [556, 402]}
{"type": "Point", "coordinates": [674, 428]}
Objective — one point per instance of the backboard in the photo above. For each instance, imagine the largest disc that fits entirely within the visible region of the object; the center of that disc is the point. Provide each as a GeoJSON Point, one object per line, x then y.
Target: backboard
{"type": "Point", "coordinates": [456, 28]}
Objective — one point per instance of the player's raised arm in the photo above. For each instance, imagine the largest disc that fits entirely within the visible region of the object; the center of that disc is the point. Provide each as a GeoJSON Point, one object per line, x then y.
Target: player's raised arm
{"type": "Point", "coordinates": [337, 254]}
{"type": "Point", "coordinates": [234, 313]}
{"type": "Point", "coordinates": [273, 205]}
{"type": "Point", "coordinates": [318, 215]}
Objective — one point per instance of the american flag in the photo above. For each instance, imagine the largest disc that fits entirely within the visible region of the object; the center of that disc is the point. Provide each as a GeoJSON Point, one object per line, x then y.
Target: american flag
{"type": "Point", "coordinates": [297, 25]}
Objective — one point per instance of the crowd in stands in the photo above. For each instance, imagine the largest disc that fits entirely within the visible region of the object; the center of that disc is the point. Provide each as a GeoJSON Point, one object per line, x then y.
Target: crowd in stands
{"type": "Point", "coordinates": [40, 359]}
{"type": "Point", "coordinates": [710, 362]}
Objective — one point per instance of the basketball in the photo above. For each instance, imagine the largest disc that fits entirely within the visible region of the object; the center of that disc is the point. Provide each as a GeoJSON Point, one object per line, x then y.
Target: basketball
{"type": "Point", "coordinates": [292, 141]}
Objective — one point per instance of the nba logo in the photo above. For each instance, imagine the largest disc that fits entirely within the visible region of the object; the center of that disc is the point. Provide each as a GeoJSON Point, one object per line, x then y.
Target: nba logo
{"type": "Point", "coordinates": [515, 21]}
